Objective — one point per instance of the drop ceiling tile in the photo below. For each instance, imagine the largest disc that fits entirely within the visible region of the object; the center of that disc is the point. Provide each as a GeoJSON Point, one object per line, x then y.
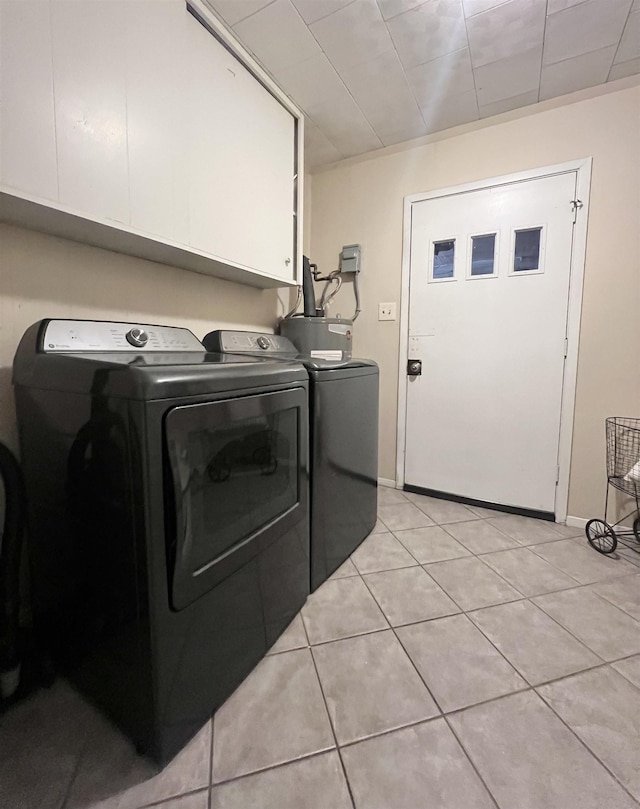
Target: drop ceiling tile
{"type": "Point", "coordinates": [508, 77]}
{"type": "Point", "coordinates": [318, 90]}
{"type": "Point", "coordinates": [624, 69]}
{"type": "Point", "coordinates": [629, 47]}
{"type": "Point", "coordinates": [508, 104]}
{"type": "Point", "coordinates": [232, 11]}
{"type": "Point", "coordinates": [318, 149]}
{"type": "Point", "coordinates": [381, 91]}
{"type": "Point", "coordinates": [506, 30]}
{"type": "Point", "coordinates": [584, 28]}
{"type": "Point", "coordinates": [312, 83]}
{"type": "Point", "coordinates": [351, 134]}
{"type": "Point", "coordinates": [448, 75]}
{"type": "Point", "coordinates": [391, 8]}
{"type": "Point", "coordinates": [578, 73]}
{"type": "Point", "coordinates": [277, 36]}
{"type": "Point", "coordinates": [312, 10]}
{"type": "Point", "coordinates": [560, 5]}
{"type": "Point", "coordinates": [472, 7]}
{"type": "Point", "coordinates": [403, 130]}
{"type": "Point", "coordinates": [452, 111]}
{"type": "Point", "coordinates": [432, 29]}
{"type": "Point", "coordinates": [353, 35]}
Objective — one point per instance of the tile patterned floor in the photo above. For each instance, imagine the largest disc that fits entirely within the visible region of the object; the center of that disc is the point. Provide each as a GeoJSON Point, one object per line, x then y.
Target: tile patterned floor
{"type": "Point", "coordinates": [461, 659]}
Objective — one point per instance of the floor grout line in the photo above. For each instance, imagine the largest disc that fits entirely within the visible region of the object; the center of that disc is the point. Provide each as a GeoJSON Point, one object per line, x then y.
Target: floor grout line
{"type": "Point", "coordinates": [601, 663]}
{"type": "Point", "coordinates": [586, 746]}
{"type": "Point", "coordinates": [333, 731]}
{"type": "Point", "coordinates": [537, 555]}
{"type": "Point", "coordinates": [587, 671]}
{"type": "Point", "coordinates": [472, 762]}
{"type": "Point", "coordinates": [160, 804]}
{"type": "Point", "coordinates": [437, 704]}
{"type": "Point", "coordinates": [553, 564]}
{"type": "Point", "coordinates": [566, 629]}
{"type": "Point", "coordinates": [277, 766]}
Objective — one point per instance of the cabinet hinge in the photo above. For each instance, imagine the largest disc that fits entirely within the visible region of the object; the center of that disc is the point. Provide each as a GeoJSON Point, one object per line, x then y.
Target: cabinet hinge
{"type": "Point", "coordinates": [566, 347]}
{"type": "Point", "coordinates": [557, 474]}
{"type": "Point", "coordinates": [576, 204]}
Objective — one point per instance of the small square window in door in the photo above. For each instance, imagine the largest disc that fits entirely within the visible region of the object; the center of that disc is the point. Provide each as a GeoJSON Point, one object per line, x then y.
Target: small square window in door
{"type": "Point", "coordinates": [526, 256]}
{"type": "Point", "coordinates": [443, 260]}
{"type": "Point", "coordinates": [483, 250]}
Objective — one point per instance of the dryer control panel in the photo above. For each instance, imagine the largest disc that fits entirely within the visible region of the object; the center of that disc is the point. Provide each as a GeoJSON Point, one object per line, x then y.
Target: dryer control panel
{"type": "Point", "coordinates": [85, 336]}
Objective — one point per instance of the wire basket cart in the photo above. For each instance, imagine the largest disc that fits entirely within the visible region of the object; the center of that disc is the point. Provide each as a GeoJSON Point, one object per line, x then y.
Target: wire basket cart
{"type": "Point", "coordinates": [623, 473]}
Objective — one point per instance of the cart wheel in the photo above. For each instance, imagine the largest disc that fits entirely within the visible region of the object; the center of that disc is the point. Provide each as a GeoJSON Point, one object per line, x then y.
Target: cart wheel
{"type": "Point", "coordinates": [636, 528]}
{"type": "Point", "coordinates": [601, 536]}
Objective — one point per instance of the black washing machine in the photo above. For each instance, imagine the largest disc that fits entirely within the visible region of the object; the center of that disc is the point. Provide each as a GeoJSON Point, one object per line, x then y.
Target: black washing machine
{"type": "Point", "coordinates": [343, 408]}
{"type": "Point", "coordinates": [168, 515]}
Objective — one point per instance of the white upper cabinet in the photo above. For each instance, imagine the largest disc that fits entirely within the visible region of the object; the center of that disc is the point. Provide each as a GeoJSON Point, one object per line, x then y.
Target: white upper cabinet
{"type": "Point", "coordinates": [28, 133]}
{"type": "Point", "coordinates": [157, 117]}
{"type": "Point", "coordinates": [90, 80]}
{"type": "Point", "coordinates": [250, 213]}
{"type": "Point", "coordinates": [133, 125]}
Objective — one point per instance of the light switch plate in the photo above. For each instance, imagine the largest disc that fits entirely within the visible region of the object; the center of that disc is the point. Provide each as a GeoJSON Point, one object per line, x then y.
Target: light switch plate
{"type": "Point", "coordinates": [386, 311]}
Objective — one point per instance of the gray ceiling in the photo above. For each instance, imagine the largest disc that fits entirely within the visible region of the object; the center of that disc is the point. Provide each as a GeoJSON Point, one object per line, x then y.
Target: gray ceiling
{"type": "Point", "coordinates": [371, 73]}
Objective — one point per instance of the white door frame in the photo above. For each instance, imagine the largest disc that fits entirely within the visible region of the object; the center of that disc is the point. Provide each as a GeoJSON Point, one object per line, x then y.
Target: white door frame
{"type": "Point", "coordinates": [578, 250]}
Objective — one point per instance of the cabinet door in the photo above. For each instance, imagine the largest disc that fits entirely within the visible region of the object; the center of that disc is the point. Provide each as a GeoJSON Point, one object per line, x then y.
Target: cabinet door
{"type": "Point", "coordinates": [157, 75]}
{"type": "Point", "coordinates": [27, 137]}
{"type": "Point", "coordinates": [241, 162]}
{"type": "Point", "coordinates": [89, 70]}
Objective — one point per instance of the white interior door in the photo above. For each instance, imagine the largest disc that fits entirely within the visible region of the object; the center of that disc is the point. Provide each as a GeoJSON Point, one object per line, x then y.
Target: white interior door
{"type": "Point", "coordinates": [489, 287]}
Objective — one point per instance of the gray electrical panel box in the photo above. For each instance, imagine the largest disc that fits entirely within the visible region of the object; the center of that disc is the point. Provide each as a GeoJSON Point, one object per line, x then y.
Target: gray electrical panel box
{"type": "Point", "coordinates": [350, 258]}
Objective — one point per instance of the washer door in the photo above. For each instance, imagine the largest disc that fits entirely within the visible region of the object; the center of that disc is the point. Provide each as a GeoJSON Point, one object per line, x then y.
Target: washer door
{"type": "Point", "coordinates": [239, 481]}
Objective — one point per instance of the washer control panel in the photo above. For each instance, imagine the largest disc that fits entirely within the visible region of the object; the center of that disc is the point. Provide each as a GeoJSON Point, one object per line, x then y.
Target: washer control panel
{"type": "Point", "coordinates": [248, 342]}
{"type": "Point", "coordinates": [85, 336]}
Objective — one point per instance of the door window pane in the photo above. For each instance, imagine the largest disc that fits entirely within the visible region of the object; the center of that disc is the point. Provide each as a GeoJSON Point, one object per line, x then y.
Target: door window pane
{"type": "Point", "coordinates": [483, 254]}
{"type": "Point", "coordinates": [527, 250]}
{"type": "Point", "coordinates": [443, 256]}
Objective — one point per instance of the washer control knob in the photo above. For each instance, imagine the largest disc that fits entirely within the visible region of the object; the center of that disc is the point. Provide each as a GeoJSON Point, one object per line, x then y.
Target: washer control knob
{"type": "Point", "coordinates": [137, 337]}
{"type": "Point", "coordinates": [263, 342]}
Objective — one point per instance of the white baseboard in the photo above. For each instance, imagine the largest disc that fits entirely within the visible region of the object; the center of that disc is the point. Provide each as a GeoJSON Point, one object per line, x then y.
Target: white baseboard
{"type": "Point", "coordinates": [391, 484]}
{"type": "Point", "coordinates": [576, 522]}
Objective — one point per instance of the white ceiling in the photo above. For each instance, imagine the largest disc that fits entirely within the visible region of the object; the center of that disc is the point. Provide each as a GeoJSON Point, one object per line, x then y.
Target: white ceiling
{"type": "Point", "coordinates": [371, 73]}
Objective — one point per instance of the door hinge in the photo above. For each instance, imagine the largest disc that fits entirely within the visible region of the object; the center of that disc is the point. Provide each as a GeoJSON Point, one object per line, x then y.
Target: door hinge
{"type": "Point", "coordinates": [566, 347]}
{"type": "Point", "coordinates": [576, 204]}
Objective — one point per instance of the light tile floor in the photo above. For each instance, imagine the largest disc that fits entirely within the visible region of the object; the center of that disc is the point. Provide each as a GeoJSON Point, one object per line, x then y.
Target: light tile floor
{"type": "Point", "coordinates": [461, 659]}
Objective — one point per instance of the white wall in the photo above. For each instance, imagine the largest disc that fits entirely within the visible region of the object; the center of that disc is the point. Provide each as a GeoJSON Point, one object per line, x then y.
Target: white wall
{"type": "Point", "coordinates": [42, 276]}
{"type": "Point", "coordinates": [361, 200]}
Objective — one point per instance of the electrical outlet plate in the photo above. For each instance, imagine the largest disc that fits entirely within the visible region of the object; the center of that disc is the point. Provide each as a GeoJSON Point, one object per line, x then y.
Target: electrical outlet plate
{"type": "Point", "coordinates": [386, 311]}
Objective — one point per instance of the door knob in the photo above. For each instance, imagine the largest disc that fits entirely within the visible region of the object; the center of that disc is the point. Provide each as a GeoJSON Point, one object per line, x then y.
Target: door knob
{"type": "Point", "coordinates": [414, 367]}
